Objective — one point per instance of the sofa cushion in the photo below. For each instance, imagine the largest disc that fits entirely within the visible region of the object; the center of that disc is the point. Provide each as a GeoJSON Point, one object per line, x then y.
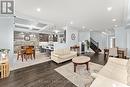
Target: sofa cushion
{"type": "Point", "coordinates": [118, 61]}
{"type": "Point", "coordinates": [66, 56]}
{"type": "Point", "coordinates": [128, 72]}
{"type": "Point", "coordinates": [115, 72]}
{"type": "Point", "coordinates": [55, 55]}
{"type": "Point", "coordinates": [128, 64]}
{"type": "Point", "coordinates": [66, 51]}
{"type": "Point", "coordinates": [58, 51]}
{"type": "Point", "coordinates": [102, 81]}
{"type": "Point", "coordinates": [62, 51]}
{"type": "Point", "coordinates": [128, 79]}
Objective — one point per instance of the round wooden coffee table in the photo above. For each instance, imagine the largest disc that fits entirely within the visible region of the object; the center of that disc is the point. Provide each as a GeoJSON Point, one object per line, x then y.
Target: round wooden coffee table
{"type": "Point", "coordinates": [80, 61]}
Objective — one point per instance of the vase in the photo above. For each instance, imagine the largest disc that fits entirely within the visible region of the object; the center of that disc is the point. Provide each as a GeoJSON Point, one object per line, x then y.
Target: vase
{"type": "Point", "coordinates": [3, 55]}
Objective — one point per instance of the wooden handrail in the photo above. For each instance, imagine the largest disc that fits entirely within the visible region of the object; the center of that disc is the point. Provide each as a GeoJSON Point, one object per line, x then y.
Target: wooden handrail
{"type": "Point", "coordinates": [94, 42]}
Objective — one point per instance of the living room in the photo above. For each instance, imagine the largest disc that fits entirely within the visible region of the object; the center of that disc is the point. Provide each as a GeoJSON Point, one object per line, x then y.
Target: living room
{"type": "Point", "coordinates": [64, 43]}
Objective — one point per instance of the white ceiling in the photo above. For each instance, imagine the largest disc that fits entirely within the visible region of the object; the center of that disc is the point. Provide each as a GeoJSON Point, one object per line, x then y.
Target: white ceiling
{"type": "Point", "coordinates": [92, 14]}
{"type": "Point", "coordinates": [24, 24]}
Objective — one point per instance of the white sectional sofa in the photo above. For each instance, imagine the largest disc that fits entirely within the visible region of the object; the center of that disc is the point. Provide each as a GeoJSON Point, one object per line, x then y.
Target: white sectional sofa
{"type": "Point", "coordinates": [116, 73]}
{"type": "Point", "coordinates": [62, 55]}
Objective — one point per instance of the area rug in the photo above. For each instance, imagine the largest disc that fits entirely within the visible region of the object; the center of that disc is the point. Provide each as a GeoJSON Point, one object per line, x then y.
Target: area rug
{"type": "Point", "coordinates": [40, 58]}
{"type": "Point", "coordinates": [82, 77]}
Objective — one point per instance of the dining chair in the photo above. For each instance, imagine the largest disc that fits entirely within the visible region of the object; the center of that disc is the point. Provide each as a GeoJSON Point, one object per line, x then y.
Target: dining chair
{"type": "Point", "coordinates": [21, 54]}
{"type": "Point", "coordinates": [113, 52]}
{"type": "Point", "coordinates": [106, 54]}
{"type": "Point", "coordinates": [29, 52]}
{"type": "Point", "coordinates": [122, 52]}
{"type": "Point", "coordinates": [31, 46]}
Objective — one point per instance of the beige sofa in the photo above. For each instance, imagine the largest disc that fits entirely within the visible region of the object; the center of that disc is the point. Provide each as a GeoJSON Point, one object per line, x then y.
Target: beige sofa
{"type": "Point", "coordinates": [62, 55]}
{"type": "Point", "coordinates": [116, 73]}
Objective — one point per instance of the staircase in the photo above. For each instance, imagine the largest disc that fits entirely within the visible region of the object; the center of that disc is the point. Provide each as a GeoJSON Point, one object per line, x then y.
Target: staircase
{"type": "Point", "coordinates": [94, 45]}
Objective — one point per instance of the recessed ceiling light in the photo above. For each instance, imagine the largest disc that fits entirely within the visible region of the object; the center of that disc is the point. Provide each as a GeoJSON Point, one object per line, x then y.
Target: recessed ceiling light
{"type": "Point", "coordinates": [116, 25]}
{"type": "Point", "coordinates": [71, 22]}
{"type": "Point", "coordinates": [56, 31]}
{"type": "Point", "coordinates": [109, 8]}
{"type": "Point", "coordinates": [90, 30]}
{"type": "Point", "coordinates": [38, 9]}
{"type": "Point", "coordinates": [104, 33]}
{"type": "Point", "coordinates": [83, 27]}
{"type": "Point", "coordinates": [113, 19]}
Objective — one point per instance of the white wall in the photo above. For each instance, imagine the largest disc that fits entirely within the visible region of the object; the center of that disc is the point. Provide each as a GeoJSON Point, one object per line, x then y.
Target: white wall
{"type": "Point", "coordinates": [128, 9]}
{"type": "Point", "coordinates": [121, 37]}
{"type": "Point", "coordinates": [122, 34]}
{"type": "Point", "coordinates": [69, 32]}
{"type": "Point", "coordinates": [69, 41]}
{"type": "Point", "coordinates": [84, 35]}
{"type": "Point", "coordinates": [60, 46]}
{"type": "Point", "coordinates": [6, 35]}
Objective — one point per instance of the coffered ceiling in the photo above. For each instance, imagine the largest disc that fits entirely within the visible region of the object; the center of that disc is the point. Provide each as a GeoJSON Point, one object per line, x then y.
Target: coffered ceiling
{"type": "Point", "coordinates": [96, 15]}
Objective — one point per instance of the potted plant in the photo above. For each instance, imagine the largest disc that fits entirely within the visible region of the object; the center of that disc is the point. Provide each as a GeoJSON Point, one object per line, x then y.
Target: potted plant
{"type": "Point", "coordinates": [87, 44]}
{"type": "Point", "coordinates": [4, 53]}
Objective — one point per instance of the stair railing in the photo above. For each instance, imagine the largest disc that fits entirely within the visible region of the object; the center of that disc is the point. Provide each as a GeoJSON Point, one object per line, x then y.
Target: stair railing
{"type": "Point", "coordinates": [94, 42]}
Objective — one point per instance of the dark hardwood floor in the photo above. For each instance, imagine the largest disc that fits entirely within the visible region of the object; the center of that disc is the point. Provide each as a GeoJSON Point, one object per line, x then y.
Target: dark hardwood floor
{"type": "Point", "coordinates": [97, 58]}
{"type": "Point", "coordinates": [43, 75]}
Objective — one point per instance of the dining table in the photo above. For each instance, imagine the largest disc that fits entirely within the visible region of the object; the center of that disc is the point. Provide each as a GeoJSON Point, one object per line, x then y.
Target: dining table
{"type": "Point", "coordinates": [22, 53]}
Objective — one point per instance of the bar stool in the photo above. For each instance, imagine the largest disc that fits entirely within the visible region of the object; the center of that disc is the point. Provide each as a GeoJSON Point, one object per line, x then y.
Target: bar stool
{"type": "Point", "coordinates": [4, 70]}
